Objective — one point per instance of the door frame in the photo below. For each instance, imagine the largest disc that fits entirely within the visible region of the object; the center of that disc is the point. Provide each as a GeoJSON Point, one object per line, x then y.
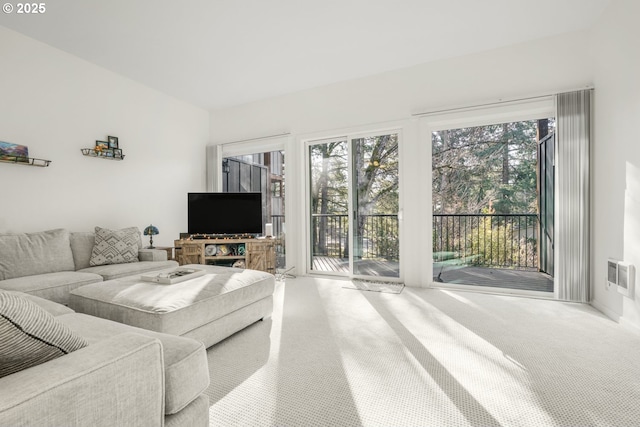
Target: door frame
{"type": "Point", "coordinates": [528, 109]}
{"type": "Point", "coordinates": [349, 137]}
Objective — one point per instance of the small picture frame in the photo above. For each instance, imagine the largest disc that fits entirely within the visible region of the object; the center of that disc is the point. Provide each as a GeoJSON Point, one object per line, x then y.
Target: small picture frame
{"type": "Point", "coordinates": [103, 144]}
{"type": "Point", "coordinates": [108, 152]}
{"type": "Point", "coordinates": [117, 152]}
{"type": "Point", "coordinates": [113, 141]}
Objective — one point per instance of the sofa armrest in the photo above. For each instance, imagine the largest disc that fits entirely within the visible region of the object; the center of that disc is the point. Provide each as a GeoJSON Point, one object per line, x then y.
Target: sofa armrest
{"type": "Point", "coordinates": [118, 381]}
{"type": "Point", "coordinates": [152, 255]}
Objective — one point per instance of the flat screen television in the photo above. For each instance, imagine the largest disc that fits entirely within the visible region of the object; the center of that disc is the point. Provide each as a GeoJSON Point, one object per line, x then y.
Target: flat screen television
{"type": "Point", "coordinates": [224, 213]}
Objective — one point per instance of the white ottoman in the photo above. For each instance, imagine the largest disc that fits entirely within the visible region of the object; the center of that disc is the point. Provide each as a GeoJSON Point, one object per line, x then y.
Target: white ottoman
{"type": "Point", "coordinates": [208, 308]}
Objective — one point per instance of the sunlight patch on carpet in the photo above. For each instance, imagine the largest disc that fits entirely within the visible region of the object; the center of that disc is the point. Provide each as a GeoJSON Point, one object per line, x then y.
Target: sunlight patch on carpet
{"type": "Point", "coordinates": [375, 286]}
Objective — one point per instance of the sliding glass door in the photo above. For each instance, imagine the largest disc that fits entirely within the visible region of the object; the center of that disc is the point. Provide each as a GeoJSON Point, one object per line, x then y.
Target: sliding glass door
{"type": "Point", "coordinates": [354, 204]}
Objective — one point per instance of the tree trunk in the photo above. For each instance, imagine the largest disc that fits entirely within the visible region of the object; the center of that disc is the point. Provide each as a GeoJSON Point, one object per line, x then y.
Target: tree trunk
{"type": "Point", "coordinates": [323, 184]}
{"type": "Point", "coordinates": [443, 175]}
{"type": "Point", "coordinates": [505, 154]}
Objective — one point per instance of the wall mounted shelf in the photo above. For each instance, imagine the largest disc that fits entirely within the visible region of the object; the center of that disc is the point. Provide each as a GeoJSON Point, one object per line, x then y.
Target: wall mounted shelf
{"type": "Point", "coordinates": [90, 152]}
{"type": "Point", "coordinates": [26, 161]}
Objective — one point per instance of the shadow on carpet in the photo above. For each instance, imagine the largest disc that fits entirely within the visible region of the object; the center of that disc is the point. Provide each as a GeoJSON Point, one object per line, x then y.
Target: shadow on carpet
{"type": "Point", "coordinates": [375, 286]}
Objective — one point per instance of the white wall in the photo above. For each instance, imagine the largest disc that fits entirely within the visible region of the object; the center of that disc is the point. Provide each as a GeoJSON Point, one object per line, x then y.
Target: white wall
{"type": "Point", "coordinates": [548, 65]}
{"type": "Point", "coordinates": [56, 104]}
{"type": "Point", "coordinates": [616, 154]}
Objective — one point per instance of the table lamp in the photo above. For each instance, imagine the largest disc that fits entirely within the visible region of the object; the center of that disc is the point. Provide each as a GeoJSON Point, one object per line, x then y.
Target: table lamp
{"type": "Point", "coordinates": [150, 231]}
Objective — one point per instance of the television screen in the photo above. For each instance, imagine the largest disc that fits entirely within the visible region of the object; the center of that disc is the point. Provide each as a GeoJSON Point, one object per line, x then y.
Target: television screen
{"type": "Point", "coordinates": [224, 213]}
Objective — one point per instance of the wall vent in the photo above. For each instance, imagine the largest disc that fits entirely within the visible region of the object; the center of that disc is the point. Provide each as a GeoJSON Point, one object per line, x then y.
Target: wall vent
{"type": "Point", "coordinates": [612, 272]}
{"type": "Point", "coordinates": [621, 275]}
{"type": "Point", "coordinates": [626, 279]}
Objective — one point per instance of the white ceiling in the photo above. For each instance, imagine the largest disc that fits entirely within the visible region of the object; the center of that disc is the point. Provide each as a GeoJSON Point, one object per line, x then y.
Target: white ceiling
{"type": "Point", "coordinates": [219, 53]}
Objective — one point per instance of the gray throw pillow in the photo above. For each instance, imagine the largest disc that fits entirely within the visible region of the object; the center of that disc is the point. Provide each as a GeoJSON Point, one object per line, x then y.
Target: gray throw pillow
{"type": "Point", "coordinates": [115, 246]}
{"type": "Point", "coordinates": [29, 335]}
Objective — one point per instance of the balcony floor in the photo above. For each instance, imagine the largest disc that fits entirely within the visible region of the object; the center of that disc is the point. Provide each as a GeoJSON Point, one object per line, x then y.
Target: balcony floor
{"type": "Point", "coordinates": [366, 267]}
{"type": "Point", "coordinates": [497, 278]}
{"type": "Point", "coordinates": [462, 275]}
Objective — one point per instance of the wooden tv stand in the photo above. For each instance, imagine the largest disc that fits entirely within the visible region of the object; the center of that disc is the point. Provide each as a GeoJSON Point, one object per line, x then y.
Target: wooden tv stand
{"type": "Point", "coordinates": [259, 253]}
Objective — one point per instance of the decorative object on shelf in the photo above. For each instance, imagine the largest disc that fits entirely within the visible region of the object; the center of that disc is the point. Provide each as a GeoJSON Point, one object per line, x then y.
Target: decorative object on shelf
{"type": "Point", "coordinates": [112, 142]}
{"type": "Point", "coordinates": [19, 154]}
{"type": "Point", "coordinates": [241, 249]}
{"type": "Point", "coordinates": [211, 250]}
{"type": "Point", "coordinates": [9, 150]}
{"type": "Point", "coordinates": [223, 250]}
{"type": "Point", "coordinates": [107, 154]}
{"type": "Point", "coordinates": [105, 149]}
{"type": "Point", "coordinates": [151, 231]}
{"type": "Point", "coordinates": [268, 229]}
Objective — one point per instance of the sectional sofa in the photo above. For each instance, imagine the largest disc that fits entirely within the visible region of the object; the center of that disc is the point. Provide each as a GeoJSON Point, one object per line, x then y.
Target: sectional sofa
{"type": "Point", "coordinates": [59, 367]}
{"type": "Point", "coordinates": [49, 264]}
{"type": "Point", "coordinates": [122, 376]}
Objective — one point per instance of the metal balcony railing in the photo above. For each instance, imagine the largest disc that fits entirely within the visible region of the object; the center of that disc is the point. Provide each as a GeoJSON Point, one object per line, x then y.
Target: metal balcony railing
{"type": "Point", "coordinates": [378, 236]}
{"type": "Point", "coordinates": [487, 240]}
{"type": "Point", "coordinates": [278, 233]}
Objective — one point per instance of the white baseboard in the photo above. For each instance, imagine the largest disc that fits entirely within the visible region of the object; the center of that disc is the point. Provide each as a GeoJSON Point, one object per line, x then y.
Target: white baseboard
{"type": "Point", "coordinates": [610, 314]}
{"type": "Point", "coordinates": [616, 317]}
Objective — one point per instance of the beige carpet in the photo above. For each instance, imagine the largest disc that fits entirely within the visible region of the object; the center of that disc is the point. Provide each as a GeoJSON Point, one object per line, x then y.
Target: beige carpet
{"type": "Point", "coordinates": [334, 357]}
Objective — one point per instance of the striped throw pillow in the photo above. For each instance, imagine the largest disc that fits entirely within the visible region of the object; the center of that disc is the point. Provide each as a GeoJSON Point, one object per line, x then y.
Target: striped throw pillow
{"type": "Point", "coordinates": [29, 335]}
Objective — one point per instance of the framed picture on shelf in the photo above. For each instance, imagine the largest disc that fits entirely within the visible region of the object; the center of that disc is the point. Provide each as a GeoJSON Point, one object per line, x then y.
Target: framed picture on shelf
{"type": "Point", "coordinates": [117, 152]}
{"type": "Point", "coordinates": [108, 152]}
{"type": "Point", "coordinates": [113, 141]}
{"type": "Point", "coordinates": [101, 147]}
{"type": "Point", "coordinates": [14, 152]}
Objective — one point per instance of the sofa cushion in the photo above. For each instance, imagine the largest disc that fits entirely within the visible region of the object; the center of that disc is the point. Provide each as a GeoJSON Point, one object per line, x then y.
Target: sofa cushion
{"type": "Point", "coordinates": [29, 335]}
{"type": "Point", "coordinates": [116, 382]}
{"type": "Point", "coordinates": [26, 254]}
{"type": "Point", "coordinates": [185, 360]}
{"type": "Point", "coordinates": [115, 246]}
{"type": "Point", "coordinates": [115, 271]}
{"type": "Point", "coordinates": [82, 243]}
{"type": "Point", "coordinates": [52, 286]}
{"type": "Point", "coordinates": [152, 255]}
{"type": "Point", "coordinates": [51, 307]}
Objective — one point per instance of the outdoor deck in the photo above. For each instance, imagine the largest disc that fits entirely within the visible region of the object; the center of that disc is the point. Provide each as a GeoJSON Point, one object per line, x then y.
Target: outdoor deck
{"type": "Point", "coordinates": [498, 278]}
{"type": "Point", "coordinates": [463, 275]}
{"type": "Point", "coordinates": [365, 267]}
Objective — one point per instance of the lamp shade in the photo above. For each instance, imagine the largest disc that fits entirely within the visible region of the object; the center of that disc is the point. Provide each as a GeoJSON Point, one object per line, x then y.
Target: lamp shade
{"type": "Point", "coordinates": [151, 231]}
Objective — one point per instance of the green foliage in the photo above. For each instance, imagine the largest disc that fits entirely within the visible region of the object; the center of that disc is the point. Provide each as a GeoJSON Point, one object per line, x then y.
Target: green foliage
{"type": "Point", "coordinates": [486, 167]}
{"type": "Point", "coordinates": [498, 243]}
{"type": "Point", "coordinates": [382, 234]}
